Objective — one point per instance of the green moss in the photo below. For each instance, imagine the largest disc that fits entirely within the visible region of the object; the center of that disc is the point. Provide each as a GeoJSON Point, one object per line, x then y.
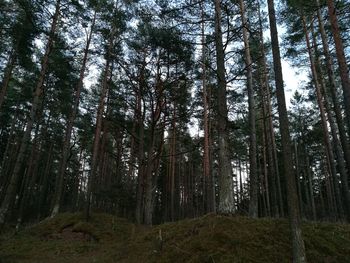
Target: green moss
{"type": "Point", "coordinates": [207, 239]}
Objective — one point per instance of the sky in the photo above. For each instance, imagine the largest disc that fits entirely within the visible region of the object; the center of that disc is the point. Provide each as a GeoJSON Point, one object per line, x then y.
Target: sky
{"type": "Point", "coordinates": [292, 80]}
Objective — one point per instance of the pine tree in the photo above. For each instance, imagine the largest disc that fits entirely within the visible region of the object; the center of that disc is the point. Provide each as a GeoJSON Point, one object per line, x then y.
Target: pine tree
{"type": "Point", "coordinates": [292, 197]}
{"type": "Point", "coordinates": [226, 197]}
{"type": "Point", "coordinates": [11, 189]}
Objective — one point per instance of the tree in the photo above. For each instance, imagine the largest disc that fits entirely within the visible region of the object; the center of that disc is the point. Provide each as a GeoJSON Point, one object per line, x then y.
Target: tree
{"type": "Point", "coordinates": [116, 27]}
{"type": "Point", "coordinates": [11, 189]}
{"type": "Point", "coordinates": [226, 199]}
{"type": "Point", "coordinates": [333, 89]}
{"type": "Point", "coordinates": [21, 34]}
{"type": "Point", "coordinates": [292, 197]}
{"type": "Point", "coordinates": [343, 67]}
{"type": "Point", "coordinates": [253, 205]}
{"type": "Point", "coordinates": [68, 133]}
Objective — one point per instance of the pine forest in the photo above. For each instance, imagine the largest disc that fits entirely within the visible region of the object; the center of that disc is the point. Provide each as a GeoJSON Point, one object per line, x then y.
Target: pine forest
{"type": "Point", "coordinates": [151, 114]}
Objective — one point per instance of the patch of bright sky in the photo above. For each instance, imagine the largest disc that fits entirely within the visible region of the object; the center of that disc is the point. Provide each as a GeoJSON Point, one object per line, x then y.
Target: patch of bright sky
{"type": "Point", "coordinates": [293, 77]}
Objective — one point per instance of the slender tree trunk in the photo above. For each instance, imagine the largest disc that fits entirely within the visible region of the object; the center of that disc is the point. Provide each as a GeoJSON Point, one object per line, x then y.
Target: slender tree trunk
{"type": "Point", "coordinates": [322, 203]}
{"type": "Point", "coordinates": [292, 198]}
{"type": "Point", "coordinates": [173, 166]}
{"type": "Point", "coordinates": [333, 90]}
{"type": "Point", "coordinates": [99, 120]}
{"type": "Point", "coordinates": [310, 185]}
{"type": "Point", "coordinates": [206, 156]}
{"type": "Point", "coordinates": [141, 162]}
{"type": "Point", "coordinates": [343, 66]}
{"type": "Point", "coordinates": [66, 144]}
{"type": "Point", "coordinates": [320, 101]}
{"type": "Point", "coordinates": [75, 194]}
{"type": "Point", "coordinates": [133, 145]}
{"type": "Point", "coordinates": [157, 108]}
{"type": "Point", "coordinates": [332, 215]}
{"type": "Point", "coordinates": [268, 151]}
{"type": "Point", "coordinates": [276, 191]}
{"type": "Point", "coordinates": [267, 164]}
{"type": "Point", "coordinates": [297, 172]}
{"type": "Point", "coordinates": [11, 189]}
{"type": "Point", "coordinates": [334, 129]}
{"type": "Point", "coordinates": [148, 184]}
{"type": "Point", "coordinates": [253, 177]}
{"type": "Point", "coordinates": [226, 202]}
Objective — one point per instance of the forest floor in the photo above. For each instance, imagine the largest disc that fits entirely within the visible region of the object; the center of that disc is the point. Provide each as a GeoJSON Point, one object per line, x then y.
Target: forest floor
{"type": "Point", "coordinates": [211, 238]}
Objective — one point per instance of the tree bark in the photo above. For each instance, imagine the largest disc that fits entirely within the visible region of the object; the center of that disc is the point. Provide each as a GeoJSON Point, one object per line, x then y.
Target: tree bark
{"type": "Point", "coordinates": [253, 177]}
{"type": "Point", "coordinates": [210, 202]}
{"type": "Point", "coordinates": [297, 172]}
{"type": "Point", "coordinates": [141, 154]}
{"type": "Point", "coordinates": [276, 191]}
{"type": "Point", "coordinates": [292, 198]}
{"type": "Point", "coordinates": [172, 164]}
{"type": "Point", "coordinates": [226, 202]}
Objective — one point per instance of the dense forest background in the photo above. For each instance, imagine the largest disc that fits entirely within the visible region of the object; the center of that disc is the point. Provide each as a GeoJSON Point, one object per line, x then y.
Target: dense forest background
{"type": "Point", "coordinates": [162, 110]}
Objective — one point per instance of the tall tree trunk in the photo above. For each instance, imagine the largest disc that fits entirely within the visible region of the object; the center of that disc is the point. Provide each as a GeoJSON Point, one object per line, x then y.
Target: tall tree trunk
{"type": "Point", "coordinates": [75, 193]}
{"type": "Point", "coordinates": [210, 202]}
{"type": "Point", "coordinates": [332, 215]}
{"type": "Point", "coordinates": [240, 182]}
{"type": "Point", "coordinates": [334, 129]}
{"type": "Point", "coordinates": [299, 255]}
{"type": "Point", "coordinates": [268, 164]}
{"type": "Point", "coordinates": [157, 108]}
{"type": "Point", "coordinates": [11, 189]}
{"type": "Point", "coordinates": [141, 153]}
{"type": "Point", "coordinates": [310, 185]}
{"type": "Point", "coordinates": [333, 90]}
{"type": "Point", "coordinates": [253, 176]}
{"type": "Point", "coordinates": [173, 166]}
{"type": "Point", "coordinates": [297, 172]}
{"type": "Point", "coordinates": [226, 201]}
{"type": "Point", "coordinates": [343, 66]}
{"type": "Point", "coordinates": [148, 184]}
{"type": "Point", "coordinates": [99, 119]}
{"type": "Point", "coordinates": [66, 144]}
{"type": "Point", "coordinates": [326, 137]}
{"type": "Point", "coordinates": [276, 191]}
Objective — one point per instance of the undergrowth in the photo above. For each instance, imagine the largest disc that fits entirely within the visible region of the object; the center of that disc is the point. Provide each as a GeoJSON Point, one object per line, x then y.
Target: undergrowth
{"type": "Point", "coordinates": [211, 238]}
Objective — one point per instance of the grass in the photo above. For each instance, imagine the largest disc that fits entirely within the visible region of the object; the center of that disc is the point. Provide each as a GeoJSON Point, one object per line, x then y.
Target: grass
{"type": "Point", "coordinates": [211, 238]}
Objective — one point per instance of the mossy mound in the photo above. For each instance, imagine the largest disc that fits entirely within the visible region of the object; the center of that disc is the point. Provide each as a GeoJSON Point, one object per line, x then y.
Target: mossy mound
{"type": "Point", "coordinates": [211, 238]}
{"type": "Point", "coordinates": [67, 238]}
{"type": "Point", "coordinates": [214, 238]}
